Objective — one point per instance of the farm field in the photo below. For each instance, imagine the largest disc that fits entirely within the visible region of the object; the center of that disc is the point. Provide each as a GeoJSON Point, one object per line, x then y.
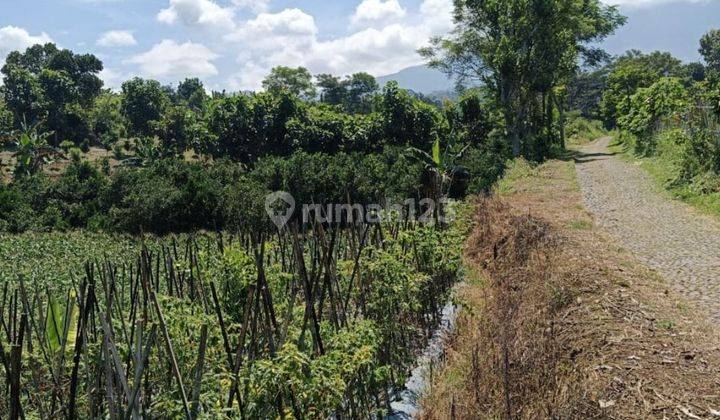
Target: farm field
{"type": "Point", "coordinates": [223, 325]}
{"type": "Point", "coordinates": [366, 209]}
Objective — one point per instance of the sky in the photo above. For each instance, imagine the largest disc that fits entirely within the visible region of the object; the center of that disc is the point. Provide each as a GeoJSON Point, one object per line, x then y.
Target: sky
{"type": "Point", "coordinates": [233, 44]}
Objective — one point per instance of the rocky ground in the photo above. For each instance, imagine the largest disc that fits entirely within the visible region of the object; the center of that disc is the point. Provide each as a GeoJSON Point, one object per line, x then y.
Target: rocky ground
{"type": "Point", "coordinates": [667, 235]}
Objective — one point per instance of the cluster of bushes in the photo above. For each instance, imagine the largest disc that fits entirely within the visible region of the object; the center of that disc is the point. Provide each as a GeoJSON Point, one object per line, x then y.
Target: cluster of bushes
{"type": "Point", "coordinates": [670, 110]}
{"type": "Point", "coordinates": [172, 195]}
{"type": "Point", "coordinates": [331, 141]}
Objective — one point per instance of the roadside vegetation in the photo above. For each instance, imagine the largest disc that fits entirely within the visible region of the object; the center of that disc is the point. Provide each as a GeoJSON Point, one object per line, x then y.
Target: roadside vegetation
{"type": "Point", "coordinates": [558, 321]}
{"type": "Point", "coordinates": [142, 277]}
{"type": "Point", "coordinates": [668, 117]}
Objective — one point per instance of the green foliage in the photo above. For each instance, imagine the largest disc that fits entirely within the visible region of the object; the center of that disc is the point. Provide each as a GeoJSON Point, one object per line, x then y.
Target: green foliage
{"type": "Point", "coordinates": [179, 130]}
{"type": "Point", "coordinates": [143, 101]}
{"type": "Point", "coordinates": [107, 122]}
{"type": "Point", "coordinates": [492, 46]}
{"type": "Point", "coordinates": [6, 122]}
{"type": "Point", "coordinates": [77, 193]}
{"type": "Point", "coordinates": [710, 49]}
{"type": "Point", "coordinates": [633, 71]}
{"type": "Point", "coordinates": [61, 325]}
{"type": "Point", "coordinates": [32, 151]}
{"type": "Point", "coordinates": [585, 92]}
{"type": "Point", "coordinates": [247, 128]}
{"type": "Point", "coordinates": [296, 81]}
{"type": "Point", "coordinates": [354, 94]}
{"type": "Point", "coordinates": [52, 84]}
{"type": "Point", "coordinates": [408, 121]}
{"type": "Point", "coordinates": [167, 196]}
{"type": "Point", "coordinates": [580, 130]}
{"type": "Point", "coordinates": [666, 98]}
{"type": "Point", "coordinates": [191, 93]}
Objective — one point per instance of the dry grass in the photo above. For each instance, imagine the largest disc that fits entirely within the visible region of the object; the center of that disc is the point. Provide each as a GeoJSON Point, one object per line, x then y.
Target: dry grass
{"type": "Point", "coordinates": [559, 322]}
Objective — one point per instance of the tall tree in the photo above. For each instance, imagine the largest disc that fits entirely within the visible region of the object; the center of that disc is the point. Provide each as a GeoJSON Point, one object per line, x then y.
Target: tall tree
{"type": "Point", "coordinates": [192, 92]}
{"type": "Point", "coordinates": [56, 85]}
{"type": "Point", "coordinates": [710, 49]}
{"type": "Point", "coordinates": [107, 122]}
{"type": "Point", "coordinates": [143, 101]}
{"type": "Point", "coordinates": [630, 72]}
{"type": "Point", "coordinates": [332, 89]}
{"type": "Point", "coordinates": [522, 50]}
{"type": "Point", "coordinates": [297, 81]}
{"type": "Point", "coordinates": [359, 87]}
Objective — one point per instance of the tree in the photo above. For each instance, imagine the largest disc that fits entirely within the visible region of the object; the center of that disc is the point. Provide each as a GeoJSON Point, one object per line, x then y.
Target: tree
{"type": "Point", "coordinates": [630, 72]}
{"type": "Point", "coordinates": [143, 101]}
{"type": "Point", "coordinates": [353, 93]}
{"type": "Point", "coordinates": [6, 122]}
{"type": "Point", "coordinates": [710, 49]}
{"type": "Point", "coordinates": [179, 129]}
{"type": "Point", "coordinates": [297, 81]}
{"type": "Point", "coordinates": [407, 121]}
{"type": "Point", "coordinates": [107, 122]}
{"type": "Point", "coordinates": [585, 91]}
{"type": "Point", "coordinates": [229, 123]}
{"type": "Point", "coordinates": [522, 50]}
{"type": "Point", "coordinates": [55, 85]}
{"type": "Point", "coordinates": [332, 89]}
{"type": "Point", "coordinates": [23, 95]}
{"type": "Point", "coordinates": [192, 93]}
{"type": "Point", "coordinates": [695, 71]}
{"type": "Point", "coordinates": [359, 87]}
{"type": "Point", "coordinates": [270, 116]}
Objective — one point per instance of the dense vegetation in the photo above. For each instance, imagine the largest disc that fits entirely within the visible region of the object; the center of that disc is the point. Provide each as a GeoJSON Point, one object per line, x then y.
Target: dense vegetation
{"type": "Point", "coordinates": [256, 325]}
{"type": "Point", "coordinates": [178, 153]}
{"type": "Point", "coordinates": [669, 112]}
{"type": "Point", "coordinates": [223, 313]}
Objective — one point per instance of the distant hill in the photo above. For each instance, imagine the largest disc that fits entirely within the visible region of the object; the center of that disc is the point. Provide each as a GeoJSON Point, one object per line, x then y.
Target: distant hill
{"type": "Point", "coordinates": [420, 79]}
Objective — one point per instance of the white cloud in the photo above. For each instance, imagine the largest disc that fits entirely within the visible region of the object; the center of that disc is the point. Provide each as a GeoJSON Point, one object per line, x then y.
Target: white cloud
{"type": "Point", "coordinates": [438, 15]}
{"type": "Point", "coordinates": [13, 38]}
{"type": "Point", "coordinates": [169, 60]}
{"type": "Point", "coordinates": [116, 39]}
{"type": "Point", "coordinates": [204, 14]}
{"type": "Point", "coordinates": [290, 38]}
{"type": "Point", "coordinates": [289, 22]}
{"type": "Point", "coordinates": [113, 79]}
{"type": "Point", "coordinates": [373, 11]}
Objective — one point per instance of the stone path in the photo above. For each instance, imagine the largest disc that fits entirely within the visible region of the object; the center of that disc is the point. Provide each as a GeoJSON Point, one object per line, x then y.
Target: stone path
{"type": "Point", "coordinates": [665, 234]}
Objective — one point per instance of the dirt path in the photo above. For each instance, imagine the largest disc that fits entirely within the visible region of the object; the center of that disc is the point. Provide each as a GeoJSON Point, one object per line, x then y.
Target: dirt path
{"type": "Point", "coordinates": [666, 235]}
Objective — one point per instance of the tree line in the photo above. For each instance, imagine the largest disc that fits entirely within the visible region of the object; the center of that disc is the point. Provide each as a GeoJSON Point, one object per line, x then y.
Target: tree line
{"type": "Point", "coordinates": [180, 153]}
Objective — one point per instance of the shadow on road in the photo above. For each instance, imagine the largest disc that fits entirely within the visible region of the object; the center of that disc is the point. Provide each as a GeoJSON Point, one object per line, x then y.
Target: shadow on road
{"type": "Point", "coordinates": [581, 157]}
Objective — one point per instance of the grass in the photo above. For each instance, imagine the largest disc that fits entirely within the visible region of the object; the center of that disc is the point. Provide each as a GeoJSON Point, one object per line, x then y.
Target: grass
{"type": "Point", "coordinates": [579, 130]}
{"type": "Point", "coordinates": [588, 304]}
{"type": "Point", "coordinates": [664, 169]}
{"type": "Point", "coordinates": [580, 224]}
{"type": "Point", "coordinates": [517, 171]}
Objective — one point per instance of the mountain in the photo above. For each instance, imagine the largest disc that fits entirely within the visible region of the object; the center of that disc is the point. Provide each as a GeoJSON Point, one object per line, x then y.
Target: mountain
{"type": "Point", "coordinates": [421, 79]}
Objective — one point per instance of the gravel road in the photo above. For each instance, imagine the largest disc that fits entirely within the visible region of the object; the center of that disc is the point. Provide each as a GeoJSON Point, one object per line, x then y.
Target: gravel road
{"type": "Point", "coordinates": [667, 235]}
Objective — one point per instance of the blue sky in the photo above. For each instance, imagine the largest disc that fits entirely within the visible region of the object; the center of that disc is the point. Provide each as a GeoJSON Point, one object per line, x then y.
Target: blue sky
{"type": "Point", "coordinates": [232, 44]}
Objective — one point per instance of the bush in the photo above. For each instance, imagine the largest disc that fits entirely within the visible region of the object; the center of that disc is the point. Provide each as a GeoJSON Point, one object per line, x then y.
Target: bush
{"type": "Point", "coordinates": [76, 194]}
{"type": "Point", "coordinates": [580, 130]}
{"type": "Point", "coordinates": [169, 196]}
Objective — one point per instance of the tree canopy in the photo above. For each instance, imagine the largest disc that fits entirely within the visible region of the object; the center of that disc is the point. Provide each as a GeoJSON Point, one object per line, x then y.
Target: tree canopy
{"type": "Point", "coordinates": [522, 50]}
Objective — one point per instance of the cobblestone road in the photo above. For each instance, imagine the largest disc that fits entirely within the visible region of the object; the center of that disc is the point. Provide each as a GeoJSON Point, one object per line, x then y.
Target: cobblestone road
{"type": "Point", "coordinates": [665, 234]}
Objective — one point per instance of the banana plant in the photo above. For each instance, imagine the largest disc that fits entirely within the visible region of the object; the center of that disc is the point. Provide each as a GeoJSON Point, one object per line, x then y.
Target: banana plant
{"type": "Point", "coordinates": [32, 150]}
{"type": "Point", "coordinates": [439, 166]}
{"type": "Point", "coordinates": [61, 324]}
